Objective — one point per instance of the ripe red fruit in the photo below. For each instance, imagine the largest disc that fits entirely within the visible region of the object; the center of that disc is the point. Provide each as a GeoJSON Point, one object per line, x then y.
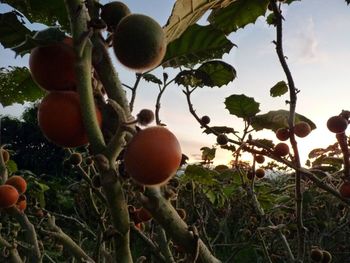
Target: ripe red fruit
{"type": "Point", "coordinates": [281, 149]}
{"type": "Point", "coordinates": [52, 66]}
{"type": "Point", "coordinates": [259, 158]}
{"type": "Point", "coordinates": [153, 156]}
{"type": "Point", "coordinates": [60, 119]}
{"type": "Point", "coordinates": [344, 190]}
{"type": "Point", "coordinates": [18, 182]}
{"type": "Point", "coordinates": [302, 129]}
{"type": "Point", "coordinates": [22, 203]}
{"type": "Point", "coordinates": [139, 42]}
{"type": "Point", "coordinates": [337, 124]}
{"type": "Point", "coordinates": [5, 155]}
{"type": "Point", "coordinates": [8, 196]}
{"type": "Point", "coordinates": [142, 215]}
{"type": "Point", "coordinates": [282, 134]}
{"type": "Point", "coordinates": [260, 173]}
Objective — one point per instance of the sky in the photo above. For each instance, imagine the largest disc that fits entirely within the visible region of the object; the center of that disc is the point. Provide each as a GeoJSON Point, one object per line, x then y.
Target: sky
{"type": "Point", "coordinates": [316, 41]}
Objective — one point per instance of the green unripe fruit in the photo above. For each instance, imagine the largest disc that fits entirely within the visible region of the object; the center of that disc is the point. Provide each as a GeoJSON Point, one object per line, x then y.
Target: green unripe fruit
{"type": "Point", "coordinates": [113, 12]}
{"type": "Point", "coordinates": [222, 139]}
{"type": "Point", "coordinates": [139, 42]}
{"type": "Point", "coordinates": [302, 129]}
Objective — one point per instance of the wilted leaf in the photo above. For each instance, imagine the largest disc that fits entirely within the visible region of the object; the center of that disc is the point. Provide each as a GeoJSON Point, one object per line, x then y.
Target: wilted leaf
{"type": "Point", "coordinates": [279, 89]}
{"type": "Point", "coordinates": [196, 44]}
{"type": "Point", "coordinates": [237, 15]}
{"type": "Point", "coordinates": [277, 119]}
{"type": "Point", "coordinates": [17, 86]}
{"type": "Point", "coordinates": [242, 106]}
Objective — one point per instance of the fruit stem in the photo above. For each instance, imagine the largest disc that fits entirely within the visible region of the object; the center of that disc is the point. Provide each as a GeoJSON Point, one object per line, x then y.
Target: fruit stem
{"type": "Point", "coordinates": [160, 94]}
{"type": "Point", "coordinates": [83, 50]}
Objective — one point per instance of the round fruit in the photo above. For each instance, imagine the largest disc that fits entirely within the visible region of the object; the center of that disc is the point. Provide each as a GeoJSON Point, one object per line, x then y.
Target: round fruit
{"type": "Point", "coordinates": [145, 117]}
{"type": "Point", "coordinates": [143, 214]}
{"type": "Point", "coordinates": [60, 119]}
{"type": "Point", "coordinates": [18, 182]}
{"type": "Point", "coordinates": [8, 196]}
{"type": "Point", "coordinates": [337, 124]}
{"type": "Point", "coordinates": [259, 158]}
{"type": "Point", "coordinates": [139, 42]}
{"type": "Point", "coordinates": [302, 129]}
{"type": "Point", "coordinates": [260, 173]}
{"type": "Point", "coordinates": [205, 120]}
{"type": "Point", "coordinates": [22, 203]}
{"type": "Point", "coordinates": [327, 257]}
{"type": "Point", "coordinates": [222, 139]}
{"type": "Point", "coordinates": [182, 213]}
{"type": "Point", "coordinates": [153, 156]}
{"type": "Point", "coordinates": [344, 190]}
{"type": "Point", "coordinates": [75, 159]}
{"type": "Point", "coordinates": [281, 149]}
{"type": "Point", "coordinates": [316, 255]}
{"type": "Point", "coordinates": [52, 67]}
{"type": "Point", "coordinates": [5, 155]}
{"type": "Point", "coordinates": [282, 134]}
{"type": "Point", "coordinates": [113, 12]}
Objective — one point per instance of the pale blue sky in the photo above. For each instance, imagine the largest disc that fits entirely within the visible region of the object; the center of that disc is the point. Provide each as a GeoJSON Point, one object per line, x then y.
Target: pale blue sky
{"type": "Point", "coordinates": [316, 42]}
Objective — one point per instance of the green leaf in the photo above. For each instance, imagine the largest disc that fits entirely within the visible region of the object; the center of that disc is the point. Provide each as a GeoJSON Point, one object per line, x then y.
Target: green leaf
{"type": "Point", "coordinates": [38, 11]}
{"type": "Point", "coordinates": [237, 15]}
{"type": "Point", "coordinates": [242, 106]}
{"type": "Point", "coordinates": [196, 44]}
{"type": "Point", "coordinates": [219, 73]}
{"type": "Point", "coordinates": [274, 120]}
{"type": "Point", "coordinates": [279, 89]}
{"type": "Point", "coordinates": [265, 142]}
{"type": "Point", "coordinates": [220, 129]}
{"type": "Point", "coordinates": [208, 153]}
{"type": "Point", "coordinates": [151, 78]}
{"type": "Point", "coordinates": [11, 166]}
{"type": "Point", "coordinates": [12, 30]}
{"type": "Point", "coordinates": [17, 86]}
{"type": "Point", "coordinates": [200, 175]}
{"type": "Point", "coordinates": [271, 19]}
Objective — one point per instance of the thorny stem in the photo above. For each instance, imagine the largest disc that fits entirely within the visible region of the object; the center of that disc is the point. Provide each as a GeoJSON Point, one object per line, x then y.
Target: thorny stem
{"type": "Point", "coordinates": [301, 230]}
{"type": "Point", "coordinates": [160, 94]}
{"type": "Point", "coordinates": [133, 91]}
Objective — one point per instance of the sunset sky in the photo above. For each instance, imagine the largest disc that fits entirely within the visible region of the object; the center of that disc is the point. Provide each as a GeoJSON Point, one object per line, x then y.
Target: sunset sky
{"type": "Point", "coordinates": [316, 42]}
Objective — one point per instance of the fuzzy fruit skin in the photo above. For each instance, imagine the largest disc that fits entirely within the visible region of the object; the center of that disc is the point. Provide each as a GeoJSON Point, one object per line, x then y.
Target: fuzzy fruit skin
{"type": "Point", "coordinates": [281, 149]}
{"type": "Point", "coordinates": [316, 255]}
{"type": "Point", "coordinates": [17, 182]}
{"type": "Point", "coordinates": [282, 134]}
{"type": "Point", "coordinates": [222, 139]}
{"type": "Point", "coordinates": [153, 156]}
{"type": "Point", "coordinates": [139, 42]}
{"type": "Point", "coordinates": [327, 257]}
{"type": "Point", "coordinates": [205, 120]}
{"type": "Point", "coordinates": [260, 173]}
{"type": "Point", "coordinates": [259, 158]}
{"type": "Point", "coordinates": [344, 190]}
{"type": "Point", "coordinates": [145, 117]}
{"type": "Point", "coordinates": [337, 124]}
{"type": "Point", "coordinates": [8, 196]}
{"type": "Point", "coordinates": [52, 67]}
{"type": "Point", "coordinates": [5, 155]}
{"type": "Point", "coordinates": [302, 129]}
{"type": "Point", "coordinates": [60, 119]}
{"type": "Point", "coordinates": [113, 12]}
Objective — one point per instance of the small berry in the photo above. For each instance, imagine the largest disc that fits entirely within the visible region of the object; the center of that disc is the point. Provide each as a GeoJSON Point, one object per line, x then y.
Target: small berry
{"type": "Point", "coordinates": [337, 124]}
{"type": "Point", "coordinates": [75, 159]}
{"type": "Point", "coordinates": [316, 255]}
{"type": "Point", "coordinates": [145, 117]}
{"type": "Point", "coordinates": [281, 149]}
{"type": "Point", "coordinates": [222, 139]}
{"type": "Point", "coordinates": [282, 134]}
{"type": "Point", "coordinates": [205, 120]}
{"type": "Point", "coordinates": [260, 173]}
{"type": "Point", "coordinates": [259, 158]}
{"type": "Point", "coordinates": [327, 257]}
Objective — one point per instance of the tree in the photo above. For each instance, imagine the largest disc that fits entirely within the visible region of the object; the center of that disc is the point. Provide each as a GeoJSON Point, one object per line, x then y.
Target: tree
{"type": "Point", "coordinates": [104, 195]}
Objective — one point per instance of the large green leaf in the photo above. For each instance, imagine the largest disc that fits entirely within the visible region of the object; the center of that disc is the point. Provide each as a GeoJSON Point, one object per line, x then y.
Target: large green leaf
{"type": "Point", "coordinates": [200, 175]}
{"type": "Point", "coordinates": [17, 86]}
{"type": "Point", "coordinates": [211, 74]}
{"type": "Point", "coordinates": [46, 12]}
{"type": "Point", "coordinates": [242, 106]}
{"type": "Point", "coordinates": [12, 30]}
{"type": "Point", "coordinates": [196, 44]}
{"type": "Point", "coordinates": [237, 15]}
{"type": "Point", "coordinates": [277, 119]}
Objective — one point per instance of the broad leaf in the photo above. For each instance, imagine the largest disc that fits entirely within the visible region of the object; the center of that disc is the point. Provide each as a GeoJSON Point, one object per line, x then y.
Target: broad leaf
{"type": "Point", "coordinates": [187, 12]}
{"type": "Point", "coordinates": [265, 142]}
{"type": "Point", "coordinates": [38, 11]}
{"type": "Point", "coordinates": [151, 78]}
{"type": "Point", "coordinates": [12, 30]}
{"type": "Point", "coordinates": [219, 73]}
{"type": "Point", "coordinates": [200, 174]}
{"type": "Point", "coordinates": [17, 86]}
{"type": "Point", "coordinates": [277, 119]}
{"type": "Point", "coordinates": [242, 106]}
{"type": "Point", "coordinates": [279, 89]}
{"type": "Point", "coordinates": [220, 129]}
{"type": "Point", "coordinates": [208, 153]}
{"type": "Point", "coordinates": [197, 44]}
{"type": "Point", "coordinates": [237, 15]}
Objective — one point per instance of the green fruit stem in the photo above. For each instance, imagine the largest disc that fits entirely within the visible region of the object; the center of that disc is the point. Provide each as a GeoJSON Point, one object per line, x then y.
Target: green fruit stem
{"type": "Point", "coordinates": [83, 51]}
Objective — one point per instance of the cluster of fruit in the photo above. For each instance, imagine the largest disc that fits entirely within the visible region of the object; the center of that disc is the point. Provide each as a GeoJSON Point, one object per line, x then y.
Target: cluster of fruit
{"type": "Point", "coordinates": [320, 256]}
{"type": "Point", "coordinates": [59, 113]}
